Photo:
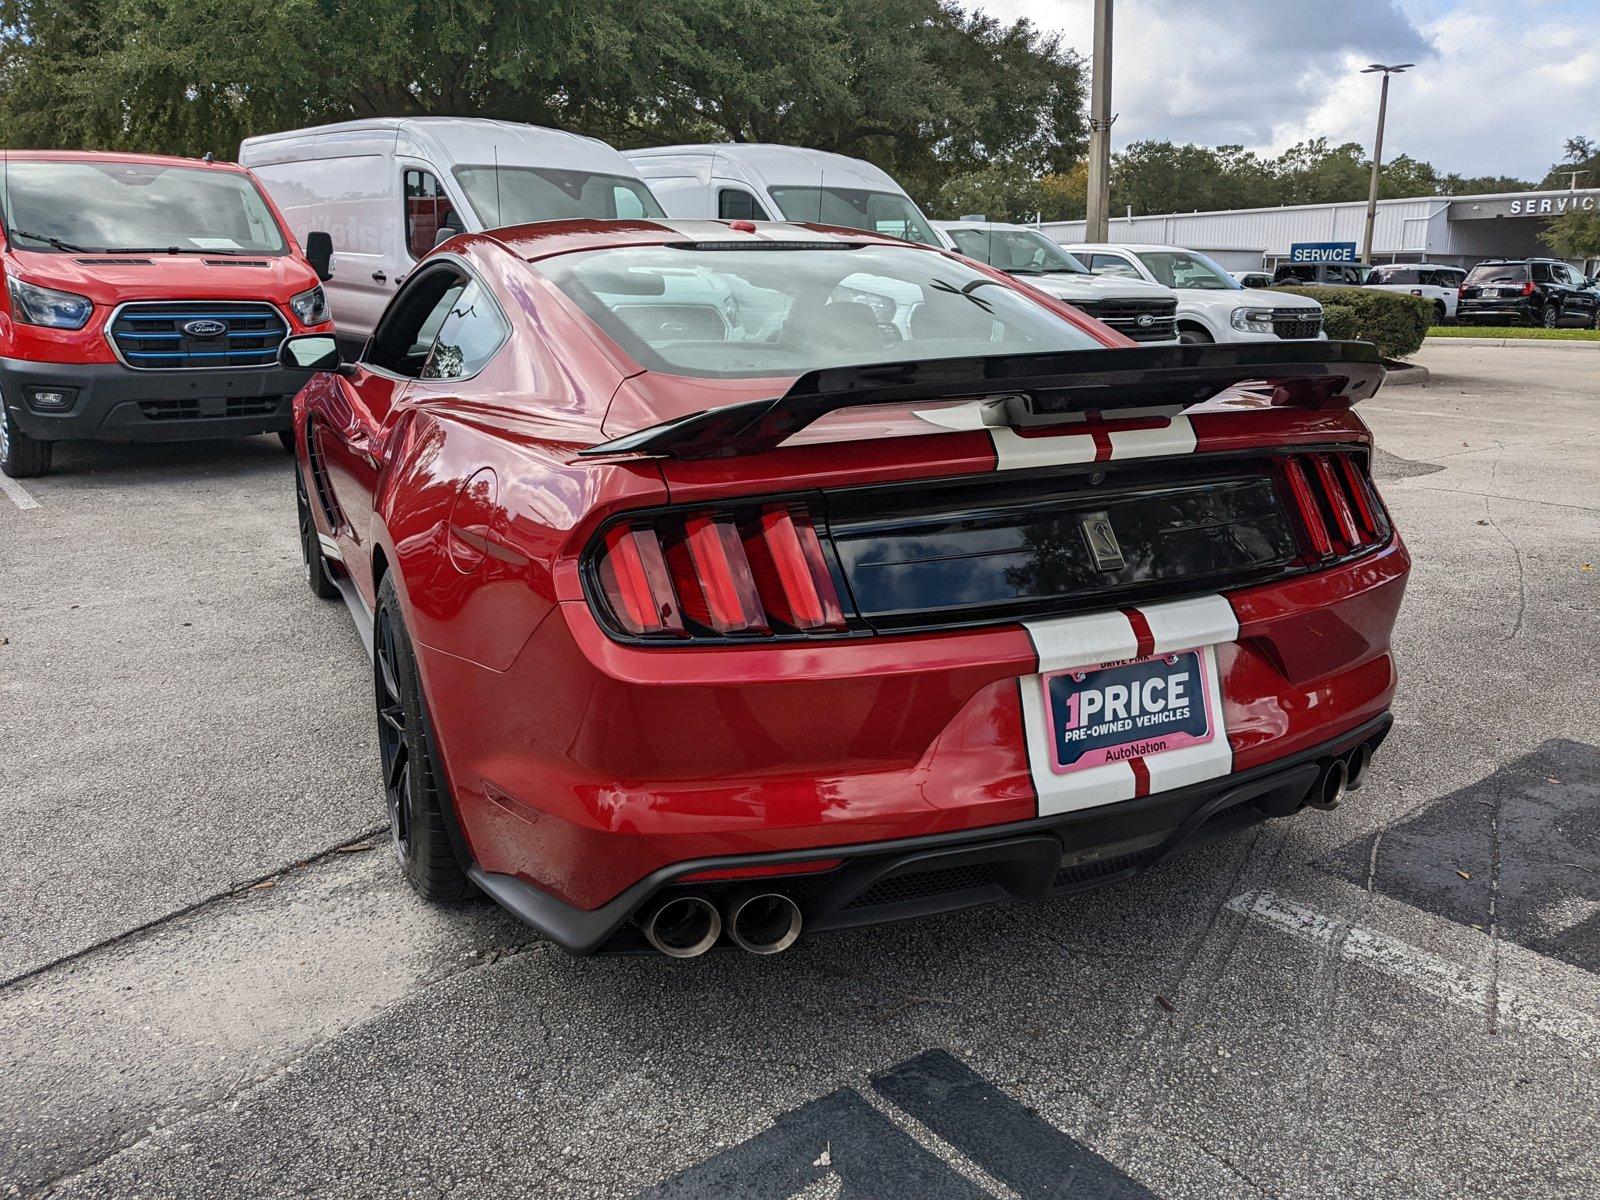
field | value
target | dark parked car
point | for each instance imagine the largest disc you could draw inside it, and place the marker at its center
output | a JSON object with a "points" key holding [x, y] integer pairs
{"points": [[1323, 274], [1528, 291]]}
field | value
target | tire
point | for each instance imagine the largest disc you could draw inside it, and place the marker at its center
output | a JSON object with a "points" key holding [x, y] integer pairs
{"points": [[412, 782], [1441, 314], [1551, 317], [21, 457], [286, 439], [1193, 335], [318, 574], [1594, 319]]}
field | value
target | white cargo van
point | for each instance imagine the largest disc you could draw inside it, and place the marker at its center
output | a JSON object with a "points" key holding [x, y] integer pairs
{"points": [[751, 181], [389, 190]]}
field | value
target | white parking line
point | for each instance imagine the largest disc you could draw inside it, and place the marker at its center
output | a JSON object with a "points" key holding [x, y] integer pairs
{"points": [[1461, 986], [18, 493]]}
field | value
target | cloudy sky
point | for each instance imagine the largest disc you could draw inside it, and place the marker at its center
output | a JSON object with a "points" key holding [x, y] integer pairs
{"points": [[1498, 85]]}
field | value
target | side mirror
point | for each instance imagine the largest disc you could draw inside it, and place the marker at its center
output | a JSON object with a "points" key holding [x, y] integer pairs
{"points": [[309, 352], [319, 253]]}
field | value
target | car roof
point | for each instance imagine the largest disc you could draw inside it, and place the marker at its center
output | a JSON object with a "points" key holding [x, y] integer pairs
{"points": [[117, 156], [784, 166], [450, 141], [544, 239], [984, 226]]}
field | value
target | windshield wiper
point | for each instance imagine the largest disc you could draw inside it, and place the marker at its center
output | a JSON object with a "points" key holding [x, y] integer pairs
{"points": [[68, 247], [169, 250]]}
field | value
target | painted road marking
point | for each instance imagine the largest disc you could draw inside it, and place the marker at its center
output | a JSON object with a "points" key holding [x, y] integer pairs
{"points": [[18, 493], [842, 1145], [1465, 987], [1012, 1143]]}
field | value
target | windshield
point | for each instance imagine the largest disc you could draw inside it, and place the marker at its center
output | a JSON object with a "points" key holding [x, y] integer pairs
{"points": [[1499, 273], [1018, 250], [756, 312], [101, 207], [1187, 269], [888, 213], [518, 195]]}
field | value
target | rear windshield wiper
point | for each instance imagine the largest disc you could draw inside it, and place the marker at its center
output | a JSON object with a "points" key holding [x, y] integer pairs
{"points": [[68, 247]]}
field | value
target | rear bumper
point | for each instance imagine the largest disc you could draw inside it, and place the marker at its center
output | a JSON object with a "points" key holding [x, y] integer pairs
{"points": [[584, 767], [916, 877], [1468, 311], [114, 403]]}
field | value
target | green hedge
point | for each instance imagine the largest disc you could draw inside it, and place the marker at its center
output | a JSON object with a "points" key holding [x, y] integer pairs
{"points": [[1395, 321]]}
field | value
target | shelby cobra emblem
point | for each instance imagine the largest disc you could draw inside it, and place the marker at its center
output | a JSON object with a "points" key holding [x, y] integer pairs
{"points": [[1102, 541], [205, 329]]}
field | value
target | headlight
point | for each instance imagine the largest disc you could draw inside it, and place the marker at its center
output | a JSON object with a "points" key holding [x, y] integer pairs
{"points": [[35, 305], [1252, 320], [311, 307]]}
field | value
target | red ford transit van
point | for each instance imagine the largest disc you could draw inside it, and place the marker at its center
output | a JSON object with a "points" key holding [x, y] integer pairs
{"points": [[144, 299]]}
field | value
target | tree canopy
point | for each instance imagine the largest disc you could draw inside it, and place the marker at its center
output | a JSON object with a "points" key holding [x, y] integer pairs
{"points": [[921, 87]]}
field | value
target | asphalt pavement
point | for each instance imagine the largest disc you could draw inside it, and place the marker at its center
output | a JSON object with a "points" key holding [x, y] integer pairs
{"points": [[213, 982]]}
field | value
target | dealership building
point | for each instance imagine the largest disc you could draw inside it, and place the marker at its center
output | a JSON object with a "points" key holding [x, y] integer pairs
{"points": [[1451, 230]]}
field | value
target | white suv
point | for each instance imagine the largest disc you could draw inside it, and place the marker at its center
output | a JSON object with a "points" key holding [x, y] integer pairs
{"points": [[1212, 307], [1145, 312], [1442, 285]]}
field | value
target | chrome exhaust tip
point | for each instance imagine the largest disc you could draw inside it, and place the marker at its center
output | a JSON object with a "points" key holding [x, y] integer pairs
{"points": [[764, 923], [1356, 769], [1331, 788], [683, 926]]}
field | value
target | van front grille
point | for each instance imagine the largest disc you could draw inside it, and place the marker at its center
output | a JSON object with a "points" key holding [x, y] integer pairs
{"points": [[168, 335]]}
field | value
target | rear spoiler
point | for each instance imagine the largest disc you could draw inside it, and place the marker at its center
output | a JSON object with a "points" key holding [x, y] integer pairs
{"points": [[1034, 389]]}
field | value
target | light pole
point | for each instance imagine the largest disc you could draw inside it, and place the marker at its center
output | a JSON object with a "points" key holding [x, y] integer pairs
{"points": [[1377, 152], [1098, 226]]}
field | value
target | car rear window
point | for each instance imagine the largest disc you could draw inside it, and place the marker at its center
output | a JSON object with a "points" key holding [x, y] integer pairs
{"points": [[1498, 273], [750, 312]]}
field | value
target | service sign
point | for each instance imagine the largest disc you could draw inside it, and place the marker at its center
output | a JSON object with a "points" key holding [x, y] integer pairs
{"points": [[1321, 252], [1535, 204]]}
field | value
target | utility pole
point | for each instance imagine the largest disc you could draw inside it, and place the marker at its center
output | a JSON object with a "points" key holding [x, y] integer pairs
{"points": [[1098, 227], [1377, 152]]}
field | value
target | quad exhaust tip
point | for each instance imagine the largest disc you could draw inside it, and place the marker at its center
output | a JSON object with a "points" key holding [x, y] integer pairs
{"points": [[765, 923], [1356, 770], [683, 927], [1332, 786]]}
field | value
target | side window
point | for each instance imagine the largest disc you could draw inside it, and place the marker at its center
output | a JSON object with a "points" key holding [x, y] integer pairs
{"points": [[472, 331], [428, 210], [736, 204], [1112, 264], [1560, 273], [627, 204], [1541, 273], [406, 331]]}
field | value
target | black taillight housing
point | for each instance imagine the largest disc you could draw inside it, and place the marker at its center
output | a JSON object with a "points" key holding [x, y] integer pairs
{"points": [[736, 572], [1338, 507]]}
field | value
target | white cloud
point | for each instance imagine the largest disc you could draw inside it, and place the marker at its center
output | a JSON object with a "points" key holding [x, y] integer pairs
{"points": [[1497, 87]]}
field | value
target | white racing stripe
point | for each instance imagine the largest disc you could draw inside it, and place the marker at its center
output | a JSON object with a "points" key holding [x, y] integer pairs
{"points": [[1177, 438], [18, 494], [1439, 977], [1013, 452]]}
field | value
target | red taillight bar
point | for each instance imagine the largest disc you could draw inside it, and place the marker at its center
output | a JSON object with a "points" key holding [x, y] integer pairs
{"points": [[633, 575], [1342, 517], [803, 577], [1310, 515], [733, 605], [1358, 493]]}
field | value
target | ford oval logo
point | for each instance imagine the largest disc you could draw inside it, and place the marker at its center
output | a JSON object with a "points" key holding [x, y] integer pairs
{"points": [[1145, 321], [205, 329]]}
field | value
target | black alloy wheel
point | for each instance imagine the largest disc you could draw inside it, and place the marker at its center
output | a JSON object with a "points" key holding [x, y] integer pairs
{"points": [[1551, 317], [318, 576], [412, 782]]}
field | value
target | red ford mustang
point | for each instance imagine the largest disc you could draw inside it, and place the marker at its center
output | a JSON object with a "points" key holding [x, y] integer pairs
{"points": [[726, 581]]}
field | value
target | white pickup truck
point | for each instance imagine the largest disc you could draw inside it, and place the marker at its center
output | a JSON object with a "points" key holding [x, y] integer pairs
{"points": [[1442, 285], [1212, 307]]}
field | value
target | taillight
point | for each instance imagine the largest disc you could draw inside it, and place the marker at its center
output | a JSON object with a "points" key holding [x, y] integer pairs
{"points": [[754, 571], [1337, 505], [1527, 288]]}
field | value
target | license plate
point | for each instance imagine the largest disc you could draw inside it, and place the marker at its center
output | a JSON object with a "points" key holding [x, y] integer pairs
{"points": [[1127, 710]]}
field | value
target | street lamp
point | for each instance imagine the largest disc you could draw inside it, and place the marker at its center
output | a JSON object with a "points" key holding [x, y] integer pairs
{"points": [[1377, 152]]}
